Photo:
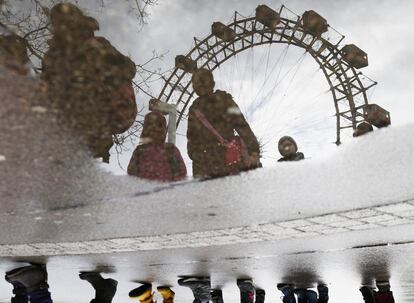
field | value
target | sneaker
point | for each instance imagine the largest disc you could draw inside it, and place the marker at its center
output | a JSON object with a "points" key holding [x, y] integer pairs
{"points": [[166, 293], [142, 293]]}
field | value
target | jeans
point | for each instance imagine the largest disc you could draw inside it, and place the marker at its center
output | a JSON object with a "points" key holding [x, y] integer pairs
{"points": [[40, 296], [306, 296], [20, 299], [288, 296], [260, 296]]}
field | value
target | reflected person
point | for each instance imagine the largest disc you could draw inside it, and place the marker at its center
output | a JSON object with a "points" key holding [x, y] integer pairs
{"points": [[289, 150], [213, 119], [154, 159], [89, 80]]}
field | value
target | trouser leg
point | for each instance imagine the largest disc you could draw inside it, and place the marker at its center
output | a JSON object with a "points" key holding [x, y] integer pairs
{"points": [[40, 296]]}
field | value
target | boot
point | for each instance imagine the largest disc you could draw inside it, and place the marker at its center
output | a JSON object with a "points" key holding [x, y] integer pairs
{"points": [[19, 291], [166, 293], [201, 288], [143, 294], [32, 277], [246, 290], [217, 296], [105, 289], [367, 294], [323, 293]]}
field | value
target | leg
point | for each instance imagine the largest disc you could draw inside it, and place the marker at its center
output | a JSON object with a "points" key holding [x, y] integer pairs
{"points": [[287, 291], [311, 296], [301, 293], [367, 294], [40, 296], [384, 293], [323, 293], [246, 290], [217, 296], [200, 287], [260, 296]]}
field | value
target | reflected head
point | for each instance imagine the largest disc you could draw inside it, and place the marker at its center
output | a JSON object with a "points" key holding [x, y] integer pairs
{"points": [[66, 17], [287, 146], [154, 129], [13, 53], [203, 82]]}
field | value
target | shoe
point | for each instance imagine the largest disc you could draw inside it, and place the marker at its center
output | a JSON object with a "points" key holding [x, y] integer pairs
{"points": [[18, 288], [32, 277], [200, 287], [367, 294], [383, 286], [142, 293], [105, 289], [166, 293]]}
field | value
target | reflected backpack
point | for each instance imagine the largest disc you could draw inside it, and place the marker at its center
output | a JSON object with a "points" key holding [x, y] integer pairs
{"points": [[236, 150]]}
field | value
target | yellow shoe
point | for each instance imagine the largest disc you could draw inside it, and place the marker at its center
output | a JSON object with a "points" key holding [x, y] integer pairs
{"points": [[166, 293], [142, 293]]}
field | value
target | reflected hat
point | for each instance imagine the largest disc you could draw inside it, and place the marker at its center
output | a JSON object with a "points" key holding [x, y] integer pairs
{"points": [[70, 13], [283, 139]]}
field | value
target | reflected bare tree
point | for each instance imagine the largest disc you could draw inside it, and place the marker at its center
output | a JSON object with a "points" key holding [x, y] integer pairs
{"points": [[29, 19]]}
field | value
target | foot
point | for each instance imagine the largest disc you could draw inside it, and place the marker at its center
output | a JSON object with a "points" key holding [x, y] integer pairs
{"points": [[32, 277], [166, 293], [142, 293], [105, 289], [201, 287], [18, 288]]}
